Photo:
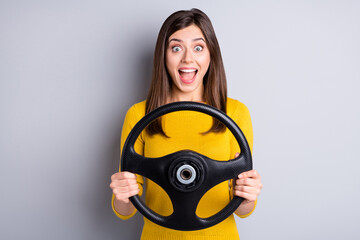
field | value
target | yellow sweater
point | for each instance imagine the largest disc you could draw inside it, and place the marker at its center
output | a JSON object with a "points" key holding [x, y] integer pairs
{"points": [[184, 129]]}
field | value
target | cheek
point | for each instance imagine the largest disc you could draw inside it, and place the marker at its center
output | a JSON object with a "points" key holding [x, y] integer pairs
{"points": [[171, 69], [170, 63], [204, 61], [205, 66]]}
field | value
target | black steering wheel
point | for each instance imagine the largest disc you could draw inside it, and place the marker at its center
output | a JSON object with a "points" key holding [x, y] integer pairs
{"points": [[185, 175]]}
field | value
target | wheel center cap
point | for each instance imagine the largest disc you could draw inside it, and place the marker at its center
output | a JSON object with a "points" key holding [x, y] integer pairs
{"points": [[186, 172]]}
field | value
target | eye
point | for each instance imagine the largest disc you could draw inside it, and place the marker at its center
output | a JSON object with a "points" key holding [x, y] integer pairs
{"points": [[176, 49], [198, 48]]}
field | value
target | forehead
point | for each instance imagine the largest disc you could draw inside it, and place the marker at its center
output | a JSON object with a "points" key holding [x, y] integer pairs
{"points": [[189, 33]]}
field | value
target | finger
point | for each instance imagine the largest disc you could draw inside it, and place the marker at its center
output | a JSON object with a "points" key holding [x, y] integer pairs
{"points": [[117, 176], [124, 197], [134, 192], [126, 192], [130, 175], [123, 175], [122, 183], [251, 190], [125, 189], [246, 189], [237, 154], [125, 182], [246, 182], [245, 195], [249, 174]]}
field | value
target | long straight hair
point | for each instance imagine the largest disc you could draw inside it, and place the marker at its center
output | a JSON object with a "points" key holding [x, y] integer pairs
{"points": [[215, 89]]}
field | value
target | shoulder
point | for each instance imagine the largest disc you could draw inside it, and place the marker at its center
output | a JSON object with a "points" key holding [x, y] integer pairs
{"points": [[136, 112], [138, 108], [235, 107]]}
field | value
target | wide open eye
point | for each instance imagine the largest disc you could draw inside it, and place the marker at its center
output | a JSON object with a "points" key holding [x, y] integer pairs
{"points": [[176, 49], [198, 48]]}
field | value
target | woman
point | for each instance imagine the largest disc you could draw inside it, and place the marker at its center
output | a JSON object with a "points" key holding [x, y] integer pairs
{"points": [[187, 67]]}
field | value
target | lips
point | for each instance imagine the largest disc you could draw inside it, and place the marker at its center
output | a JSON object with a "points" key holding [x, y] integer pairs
{"points": [[187, 75]]}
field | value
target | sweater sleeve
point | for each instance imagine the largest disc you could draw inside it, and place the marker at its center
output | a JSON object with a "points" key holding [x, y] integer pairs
{"points": [[241, 115], [133, 115]]}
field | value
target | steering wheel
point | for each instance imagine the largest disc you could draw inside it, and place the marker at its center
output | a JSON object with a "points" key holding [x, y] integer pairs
{"points": [[185, 175]]}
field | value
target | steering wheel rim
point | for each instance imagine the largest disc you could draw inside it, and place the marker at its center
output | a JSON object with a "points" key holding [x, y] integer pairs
{"points": [[185, 220]]}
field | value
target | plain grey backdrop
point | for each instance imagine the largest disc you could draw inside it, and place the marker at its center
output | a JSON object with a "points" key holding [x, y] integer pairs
{"points": [[69, 70]]}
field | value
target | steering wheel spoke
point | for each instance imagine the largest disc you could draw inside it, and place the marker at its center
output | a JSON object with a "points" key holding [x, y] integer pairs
{"points": [[219, 171], [185, 204], [184, 216], [154, 169]]}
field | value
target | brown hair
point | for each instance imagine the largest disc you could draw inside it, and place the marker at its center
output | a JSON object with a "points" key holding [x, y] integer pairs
{"points": [[215, 90]]}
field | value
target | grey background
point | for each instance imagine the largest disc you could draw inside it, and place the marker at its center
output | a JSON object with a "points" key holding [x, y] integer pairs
{"points": [[69, 70]]}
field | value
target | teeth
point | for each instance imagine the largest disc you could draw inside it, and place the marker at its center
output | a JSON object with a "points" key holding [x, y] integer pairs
{"points": [[187, 70]]}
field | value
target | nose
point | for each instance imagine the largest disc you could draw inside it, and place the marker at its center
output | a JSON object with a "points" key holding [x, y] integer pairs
{"points": [[187, 56]]}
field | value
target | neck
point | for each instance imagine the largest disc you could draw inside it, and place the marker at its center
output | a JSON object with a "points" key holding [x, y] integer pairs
{"points": [[184, 98], [177, 96]]}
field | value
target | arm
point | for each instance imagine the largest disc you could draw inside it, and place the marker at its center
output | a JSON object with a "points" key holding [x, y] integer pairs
{"points": [[126, 184], [248, 184], [123, 185]]}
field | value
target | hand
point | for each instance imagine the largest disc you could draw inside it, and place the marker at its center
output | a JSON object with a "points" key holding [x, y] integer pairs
{"points": [[124, 185], [248, 185]]}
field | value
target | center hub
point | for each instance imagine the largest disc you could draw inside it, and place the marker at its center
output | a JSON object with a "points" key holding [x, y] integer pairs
{"points": [[186, 172]]}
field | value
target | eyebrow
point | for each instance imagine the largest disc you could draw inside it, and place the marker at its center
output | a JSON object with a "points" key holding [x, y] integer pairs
{"points": [[194, 40]]}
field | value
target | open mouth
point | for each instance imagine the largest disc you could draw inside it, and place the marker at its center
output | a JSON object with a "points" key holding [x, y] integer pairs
{"points": [[187, 75]]}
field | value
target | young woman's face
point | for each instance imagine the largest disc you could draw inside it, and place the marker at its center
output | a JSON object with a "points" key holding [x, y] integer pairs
{"points": [[187, 61]]}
